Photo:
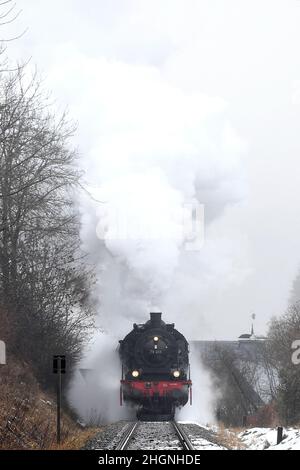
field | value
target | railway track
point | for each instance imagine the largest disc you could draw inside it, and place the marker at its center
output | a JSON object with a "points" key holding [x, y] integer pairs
{"points": [[127, 435], [155, 435], [183, 437], [170, 435]]}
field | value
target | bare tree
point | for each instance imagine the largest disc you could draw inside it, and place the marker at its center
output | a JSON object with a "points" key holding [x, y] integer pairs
{"points": [[283, 331], [8, 14], [42, 276]]}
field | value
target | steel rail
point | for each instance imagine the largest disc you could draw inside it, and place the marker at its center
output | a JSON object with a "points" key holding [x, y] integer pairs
{"points": [[126, 437], [183, 437]]}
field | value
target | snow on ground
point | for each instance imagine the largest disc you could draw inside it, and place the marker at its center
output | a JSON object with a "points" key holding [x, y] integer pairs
{"points": [[266, 439], [250, 439], [202, 437], [203, 444]]}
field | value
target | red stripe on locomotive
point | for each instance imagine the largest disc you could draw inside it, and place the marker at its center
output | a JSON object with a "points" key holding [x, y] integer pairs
{"points": [[158, 389]]}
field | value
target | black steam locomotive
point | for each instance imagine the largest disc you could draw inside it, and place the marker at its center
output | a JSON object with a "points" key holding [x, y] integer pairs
{"points": [[155, 369]]}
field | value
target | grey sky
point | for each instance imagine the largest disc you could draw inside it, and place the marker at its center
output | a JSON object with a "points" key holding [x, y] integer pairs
{"points": [[246, 53]]}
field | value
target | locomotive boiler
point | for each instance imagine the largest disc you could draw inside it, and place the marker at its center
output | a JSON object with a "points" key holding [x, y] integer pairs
{"points": [[155, 369]]}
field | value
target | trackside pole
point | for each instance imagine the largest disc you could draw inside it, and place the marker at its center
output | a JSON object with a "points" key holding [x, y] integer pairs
{"points": [[58, 399], [279, 434], [59, 367]]}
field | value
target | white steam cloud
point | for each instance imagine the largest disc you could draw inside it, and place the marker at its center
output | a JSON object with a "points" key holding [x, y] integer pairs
{"points": [[151, 149], [131, 119], [95, 392]]}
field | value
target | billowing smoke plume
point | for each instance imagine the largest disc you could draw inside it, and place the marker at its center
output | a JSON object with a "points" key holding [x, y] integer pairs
{"points": [[156, 149], [95, 392], [153, 151], [203, 394]]}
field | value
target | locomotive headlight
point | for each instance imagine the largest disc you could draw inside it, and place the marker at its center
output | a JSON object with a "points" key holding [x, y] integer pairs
{"points": [[135, 373], [176, 374], [155, 338]]}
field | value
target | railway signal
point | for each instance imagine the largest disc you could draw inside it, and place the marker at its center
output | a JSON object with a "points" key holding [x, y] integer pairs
{"points": [[59, 367], [59, 364]]}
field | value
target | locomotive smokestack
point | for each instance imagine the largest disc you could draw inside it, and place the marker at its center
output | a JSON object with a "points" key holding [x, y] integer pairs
{"points": [[155, 318]]}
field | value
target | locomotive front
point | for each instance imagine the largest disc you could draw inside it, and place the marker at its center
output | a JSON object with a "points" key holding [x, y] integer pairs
{"points": [[155, 369]]}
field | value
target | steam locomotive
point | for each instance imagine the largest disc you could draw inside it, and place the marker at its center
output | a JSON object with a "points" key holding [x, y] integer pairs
{"points": [[155, 369]]}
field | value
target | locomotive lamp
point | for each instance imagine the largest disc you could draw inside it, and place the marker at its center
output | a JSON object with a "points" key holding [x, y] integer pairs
{"points": [[155, 338], [135, 373], [176, 374]]}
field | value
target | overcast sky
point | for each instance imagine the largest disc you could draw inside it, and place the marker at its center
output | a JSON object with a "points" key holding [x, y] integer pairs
{"points": [[244, 53]]}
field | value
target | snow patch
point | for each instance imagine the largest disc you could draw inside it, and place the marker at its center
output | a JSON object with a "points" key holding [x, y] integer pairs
{"points": [[266, 439]]}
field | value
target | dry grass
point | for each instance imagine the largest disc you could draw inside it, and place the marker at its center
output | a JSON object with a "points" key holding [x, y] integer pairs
{"points": [[28, 415], [77, 440], [229, 437]]}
